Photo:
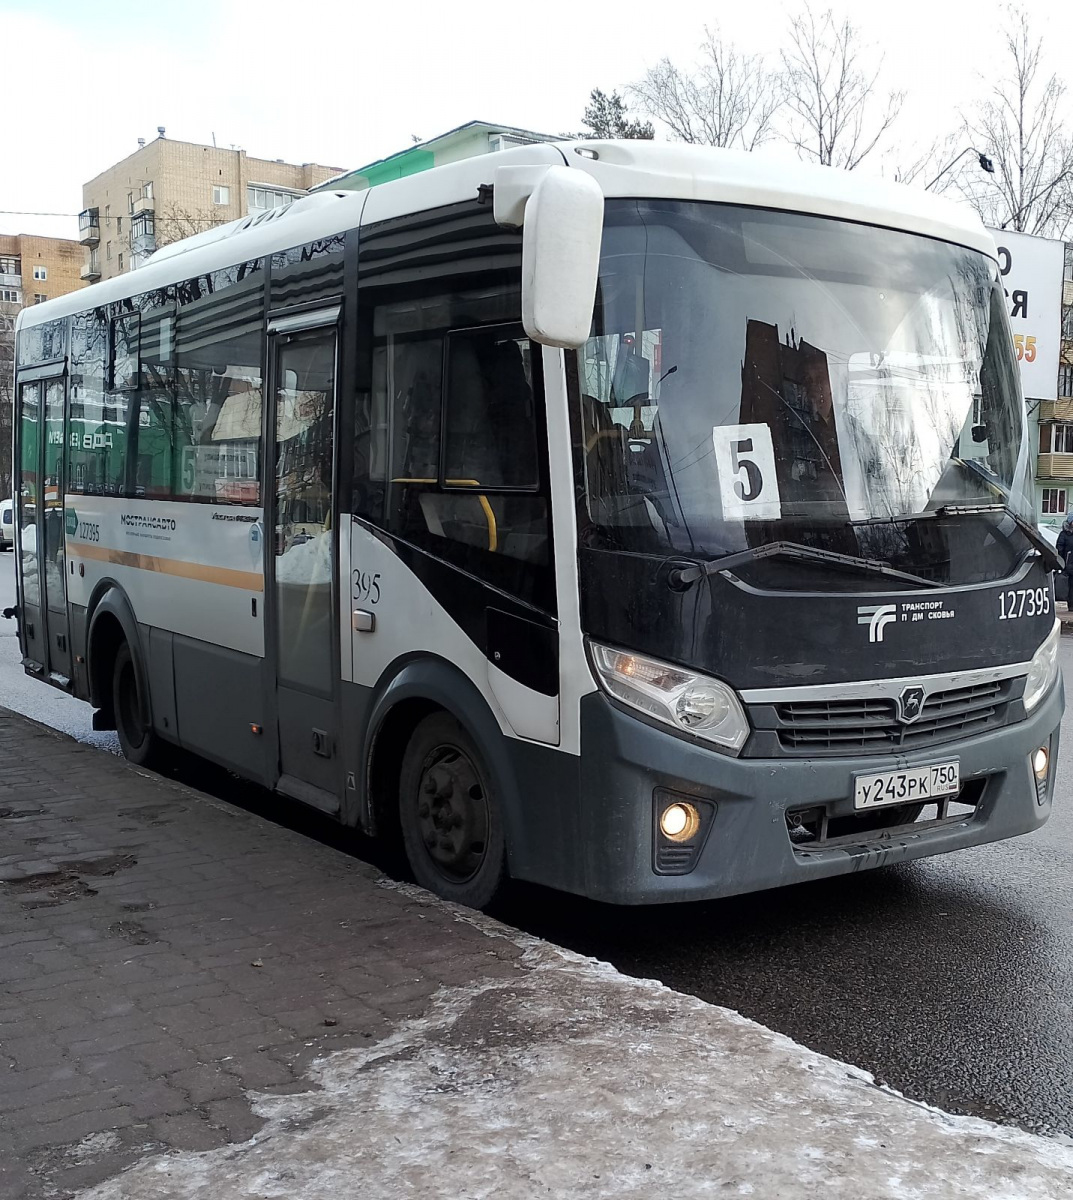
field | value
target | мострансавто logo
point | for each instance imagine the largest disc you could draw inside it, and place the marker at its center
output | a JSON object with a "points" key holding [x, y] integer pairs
{"points": [[141, 521]]}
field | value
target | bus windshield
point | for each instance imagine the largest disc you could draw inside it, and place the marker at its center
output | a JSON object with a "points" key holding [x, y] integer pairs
{"points": [[756, 375]]}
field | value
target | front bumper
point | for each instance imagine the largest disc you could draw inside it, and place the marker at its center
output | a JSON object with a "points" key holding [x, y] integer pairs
{"points": [[748, 847]]}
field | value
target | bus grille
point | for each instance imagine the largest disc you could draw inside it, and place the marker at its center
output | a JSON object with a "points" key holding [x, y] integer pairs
{"points": [[867, 725]]}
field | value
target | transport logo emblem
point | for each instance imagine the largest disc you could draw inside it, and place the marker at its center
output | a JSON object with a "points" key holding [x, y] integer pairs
{"points": [[910, 704], [877, 617]]}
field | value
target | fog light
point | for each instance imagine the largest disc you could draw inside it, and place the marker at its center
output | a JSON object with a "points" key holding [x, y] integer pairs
{"points": [[679, 822], [1040, 762]]}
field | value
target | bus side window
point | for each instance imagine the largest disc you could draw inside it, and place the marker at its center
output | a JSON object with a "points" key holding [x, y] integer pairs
{"points": [[478, 495], [152, 470], [218, 388], [87, 434]]}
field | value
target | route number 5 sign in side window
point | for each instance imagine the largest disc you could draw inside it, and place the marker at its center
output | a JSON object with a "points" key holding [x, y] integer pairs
{"points": [[745, 460]]}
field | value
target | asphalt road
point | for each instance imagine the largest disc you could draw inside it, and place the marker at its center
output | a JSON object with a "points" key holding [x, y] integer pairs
{"points": [[950, 979]]}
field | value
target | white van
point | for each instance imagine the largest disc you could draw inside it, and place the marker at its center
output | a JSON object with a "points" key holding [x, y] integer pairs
{"points": [[7, 524]]}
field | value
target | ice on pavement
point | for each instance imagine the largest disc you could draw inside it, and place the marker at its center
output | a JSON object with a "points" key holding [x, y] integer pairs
{"points": [[574, 1080]]}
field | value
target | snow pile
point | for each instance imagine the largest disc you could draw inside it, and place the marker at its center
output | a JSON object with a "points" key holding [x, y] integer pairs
{"points": [[307, 562], [573, 1080]]}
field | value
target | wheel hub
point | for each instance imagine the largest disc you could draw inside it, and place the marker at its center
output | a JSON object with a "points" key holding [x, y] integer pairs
{"points": [[452, 814]]}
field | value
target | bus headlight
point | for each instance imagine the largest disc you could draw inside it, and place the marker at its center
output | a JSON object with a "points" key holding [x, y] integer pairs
{"points": [[1043, 670], [695, 704]]}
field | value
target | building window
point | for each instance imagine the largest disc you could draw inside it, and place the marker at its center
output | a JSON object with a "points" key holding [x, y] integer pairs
{"points": [[9, 296], [1056, 439], [120, 260], [221, 194], [119, 224], [39, 298], [147, 189], [10, 265], [41, 273], [1069, 263], [1053, 502], [261, 199], [108, 251], [1065, 381]]}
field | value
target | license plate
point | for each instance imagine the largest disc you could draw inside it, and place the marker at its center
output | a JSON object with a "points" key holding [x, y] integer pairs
{"points": [[879, 788]]}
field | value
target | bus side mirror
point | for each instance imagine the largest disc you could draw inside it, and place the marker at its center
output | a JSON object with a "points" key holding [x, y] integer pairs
{"points": [[561, 235]]}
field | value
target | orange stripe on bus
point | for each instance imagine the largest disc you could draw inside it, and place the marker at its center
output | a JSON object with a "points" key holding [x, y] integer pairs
{"points": [[248, 581]]}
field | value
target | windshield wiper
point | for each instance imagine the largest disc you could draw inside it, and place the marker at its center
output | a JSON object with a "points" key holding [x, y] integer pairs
{"points": [[682, 577], [1046, 551]]}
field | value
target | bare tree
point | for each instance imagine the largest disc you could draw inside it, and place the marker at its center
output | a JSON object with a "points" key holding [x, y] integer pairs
{"points": [[931, 167], [175, 222], [730, 99], [835, 115], [1022, 126]]}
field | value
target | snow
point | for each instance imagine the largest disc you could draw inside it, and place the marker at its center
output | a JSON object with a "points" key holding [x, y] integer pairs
{"points": [[570, 1079], [307, 562]]}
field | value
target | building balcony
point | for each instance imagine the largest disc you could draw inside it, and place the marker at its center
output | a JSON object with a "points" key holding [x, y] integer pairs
{"points": [[1054, 466], [91, 271], [10, 281], [143, 204], [1056, 410], [89, 227]]}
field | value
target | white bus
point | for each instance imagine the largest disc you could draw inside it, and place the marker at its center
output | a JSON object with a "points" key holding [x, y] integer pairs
{"points": [[647, 521]]}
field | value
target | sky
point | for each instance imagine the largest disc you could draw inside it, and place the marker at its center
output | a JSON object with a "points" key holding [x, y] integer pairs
{"points": [[343, 83]]}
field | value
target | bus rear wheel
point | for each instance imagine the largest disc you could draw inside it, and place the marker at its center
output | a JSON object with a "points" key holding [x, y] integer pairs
{"points": [[139, 743], [452, 828]]}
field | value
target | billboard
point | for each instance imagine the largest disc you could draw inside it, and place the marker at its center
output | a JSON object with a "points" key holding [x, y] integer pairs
{"points": [[1032, 277]]}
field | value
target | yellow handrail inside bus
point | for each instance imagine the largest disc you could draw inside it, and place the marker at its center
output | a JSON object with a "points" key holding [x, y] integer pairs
{"points": [[489, 515]]}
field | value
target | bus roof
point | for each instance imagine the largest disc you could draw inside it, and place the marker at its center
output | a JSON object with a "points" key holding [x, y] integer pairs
{"points": [[627, 169]]}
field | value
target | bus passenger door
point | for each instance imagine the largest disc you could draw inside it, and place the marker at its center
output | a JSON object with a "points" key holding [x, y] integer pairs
{"points": [[42, 560], [304, 584]]}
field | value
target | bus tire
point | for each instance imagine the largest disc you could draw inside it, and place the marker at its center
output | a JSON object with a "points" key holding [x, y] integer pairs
{"points": [[133, 723], [452, 826]]}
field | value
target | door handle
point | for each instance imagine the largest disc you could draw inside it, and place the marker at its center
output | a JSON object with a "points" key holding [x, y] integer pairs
{"points": [[362, 621]]}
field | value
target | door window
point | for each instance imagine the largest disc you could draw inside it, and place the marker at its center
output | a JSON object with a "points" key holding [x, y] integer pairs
{"points": [[29, 446], [305, 402], [52, 495]]}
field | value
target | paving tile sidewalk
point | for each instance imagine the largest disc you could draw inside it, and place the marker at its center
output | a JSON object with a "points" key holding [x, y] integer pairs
{"points": [[243, 1013], [161, 954]]}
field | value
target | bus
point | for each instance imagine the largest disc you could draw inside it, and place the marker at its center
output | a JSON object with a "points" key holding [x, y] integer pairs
{"points": [[650, 522]]}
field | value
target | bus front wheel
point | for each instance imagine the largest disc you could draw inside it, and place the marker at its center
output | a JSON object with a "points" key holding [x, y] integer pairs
{"points": [[139, 743], [452, 827]]}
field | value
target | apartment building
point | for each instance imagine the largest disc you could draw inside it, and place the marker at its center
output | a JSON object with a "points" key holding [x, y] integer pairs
{"points": [[167, 190], [35, 269], [1054, 464]]}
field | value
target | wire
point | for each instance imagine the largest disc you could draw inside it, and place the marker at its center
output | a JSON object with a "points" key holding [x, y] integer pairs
{"points": [[21, 212]]}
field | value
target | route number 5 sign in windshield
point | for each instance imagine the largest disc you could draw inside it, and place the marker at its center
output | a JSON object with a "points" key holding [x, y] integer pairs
{"points": [[745, 460]]}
